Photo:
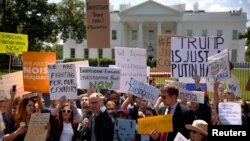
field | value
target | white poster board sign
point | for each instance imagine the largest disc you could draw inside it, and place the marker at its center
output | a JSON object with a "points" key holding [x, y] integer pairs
{"points": [[180, 137], [230, 113], [218, 66], [192, 96], [233, 85], [132, 62], [124, 129], [62, 81], [189, 54], [100, 78], [140, 89]]}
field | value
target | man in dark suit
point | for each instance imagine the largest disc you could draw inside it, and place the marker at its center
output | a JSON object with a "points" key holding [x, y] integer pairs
{"points": [[182, 115], [99, 127]]}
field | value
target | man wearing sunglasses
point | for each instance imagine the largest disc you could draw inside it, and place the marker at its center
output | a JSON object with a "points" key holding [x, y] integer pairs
{"points": [[182, 115]]}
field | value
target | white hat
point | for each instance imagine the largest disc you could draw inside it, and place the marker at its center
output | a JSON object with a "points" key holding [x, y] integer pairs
{"points": [[198, 126]]}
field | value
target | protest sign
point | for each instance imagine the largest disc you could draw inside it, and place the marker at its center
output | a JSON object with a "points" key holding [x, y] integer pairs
{"points": [[38, 127], [140, 89], [233, 85], [15, 78], [35, 70], [13, 43], [162, 123], [192, 96], [189, 54], [180, 137], [132, 62], [100, 78], [124, 130], [79, 64], [218, 66], [230, 113], [98, 23], [62, 80]]}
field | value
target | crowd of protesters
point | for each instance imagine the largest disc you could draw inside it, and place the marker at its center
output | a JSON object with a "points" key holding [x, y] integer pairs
{"points": [[93, 119]]}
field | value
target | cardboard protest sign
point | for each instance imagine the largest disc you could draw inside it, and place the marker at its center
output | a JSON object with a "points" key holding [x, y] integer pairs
{"points": [[124, 130], [132, 62], [99, 78], [233, 85], [189, 54], [79, 64], [140, 89], [38, 127], [13, 43], [98, 23], [230, 113], [15, 78], [62, 80], [192, 96], [35, 70], [180, 137], [218, 66], [162, 123]]}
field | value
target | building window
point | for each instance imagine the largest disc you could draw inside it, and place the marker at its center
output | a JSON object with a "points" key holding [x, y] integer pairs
{"points": [[189, 33], [113, 53], [86, 53], [114, 35], [151, 34], [134, 34], [72, 53], [204, 33], [219, 33], [168, 31], [234, 55], [100, 53], [235, 35]]}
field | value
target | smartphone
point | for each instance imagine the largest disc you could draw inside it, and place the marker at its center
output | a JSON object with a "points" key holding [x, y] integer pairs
{"points": [[14, 88]]}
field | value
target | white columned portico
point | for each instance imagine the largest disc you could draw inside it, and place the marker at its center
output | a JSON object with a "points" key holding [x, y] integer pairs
{"points": [[121, 39], [140, 35], [159, 28], [178, 28]]}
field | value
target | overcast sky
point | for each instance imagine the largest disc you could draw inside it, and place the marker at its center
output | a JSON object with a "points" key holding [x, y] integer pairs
{"points": [[207, 5]]}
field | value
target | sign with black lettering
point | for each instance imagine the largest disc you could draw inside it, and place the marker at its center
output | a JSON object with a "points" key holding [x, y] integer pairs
{"points": [[62, 81], [190, 54], [218, 66], [192, 96], [140, 89], [230, 113], [132, 62], [100, 78], [98, 23]]}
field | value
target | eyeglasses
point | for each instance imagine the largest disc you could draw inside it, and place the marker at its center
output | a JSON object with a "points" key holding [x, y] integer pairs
{"points": [[163, 97], [110, 108], [66, 111]]}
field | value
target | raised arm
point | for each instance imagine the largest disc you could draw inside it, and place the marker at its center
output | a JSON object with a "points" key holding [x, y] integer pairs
{"points": [[9, 113]]}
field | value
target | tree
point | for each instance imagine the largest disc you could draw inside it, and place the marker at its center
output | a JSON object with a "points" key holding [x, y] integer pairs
{"points": [[71, 20], [36, 18], [246, 36]]}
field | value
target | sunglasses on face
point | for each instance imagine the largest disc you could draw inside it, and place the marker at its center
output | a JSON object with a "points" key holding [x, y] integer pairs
{"points": [[163, 97], [66, 111], [110, 108]]}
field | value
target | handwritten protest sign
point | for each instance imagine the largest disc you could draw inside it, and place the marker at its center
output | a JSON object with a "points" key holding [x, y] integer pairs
{"points": [[38, 127], [140, 89], [180, 137], [15, 78], [132, 62], [13, 43], [35, 70], [233, 85], [62, 80], [230, 113], [98, 23], [99, 78], [189, 54], [218, 66], [124, 130], [193, 96], [162, 123], [79, 64]]}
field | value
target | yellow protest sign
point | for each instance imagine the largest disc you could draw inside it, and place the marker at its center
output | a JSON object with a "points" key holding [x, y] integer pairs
{"points": [[13, 43], [162, 123]]}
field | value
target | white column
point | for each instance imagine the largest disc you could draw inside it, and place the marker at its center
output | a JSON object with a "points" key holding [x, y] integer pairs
{"points": [[121, 32], [159, 28], [140, 35], [178, 28]]}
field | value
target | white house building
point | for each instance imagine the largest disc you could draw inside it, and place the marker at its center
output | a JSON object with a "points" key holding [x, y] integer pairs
{"points": [[139, 25]]}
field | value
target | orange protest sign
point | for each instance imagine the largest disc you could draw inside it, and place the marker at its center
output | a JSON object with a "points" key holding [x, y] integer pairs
{"points": [[35, 70], [162, 123]]}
